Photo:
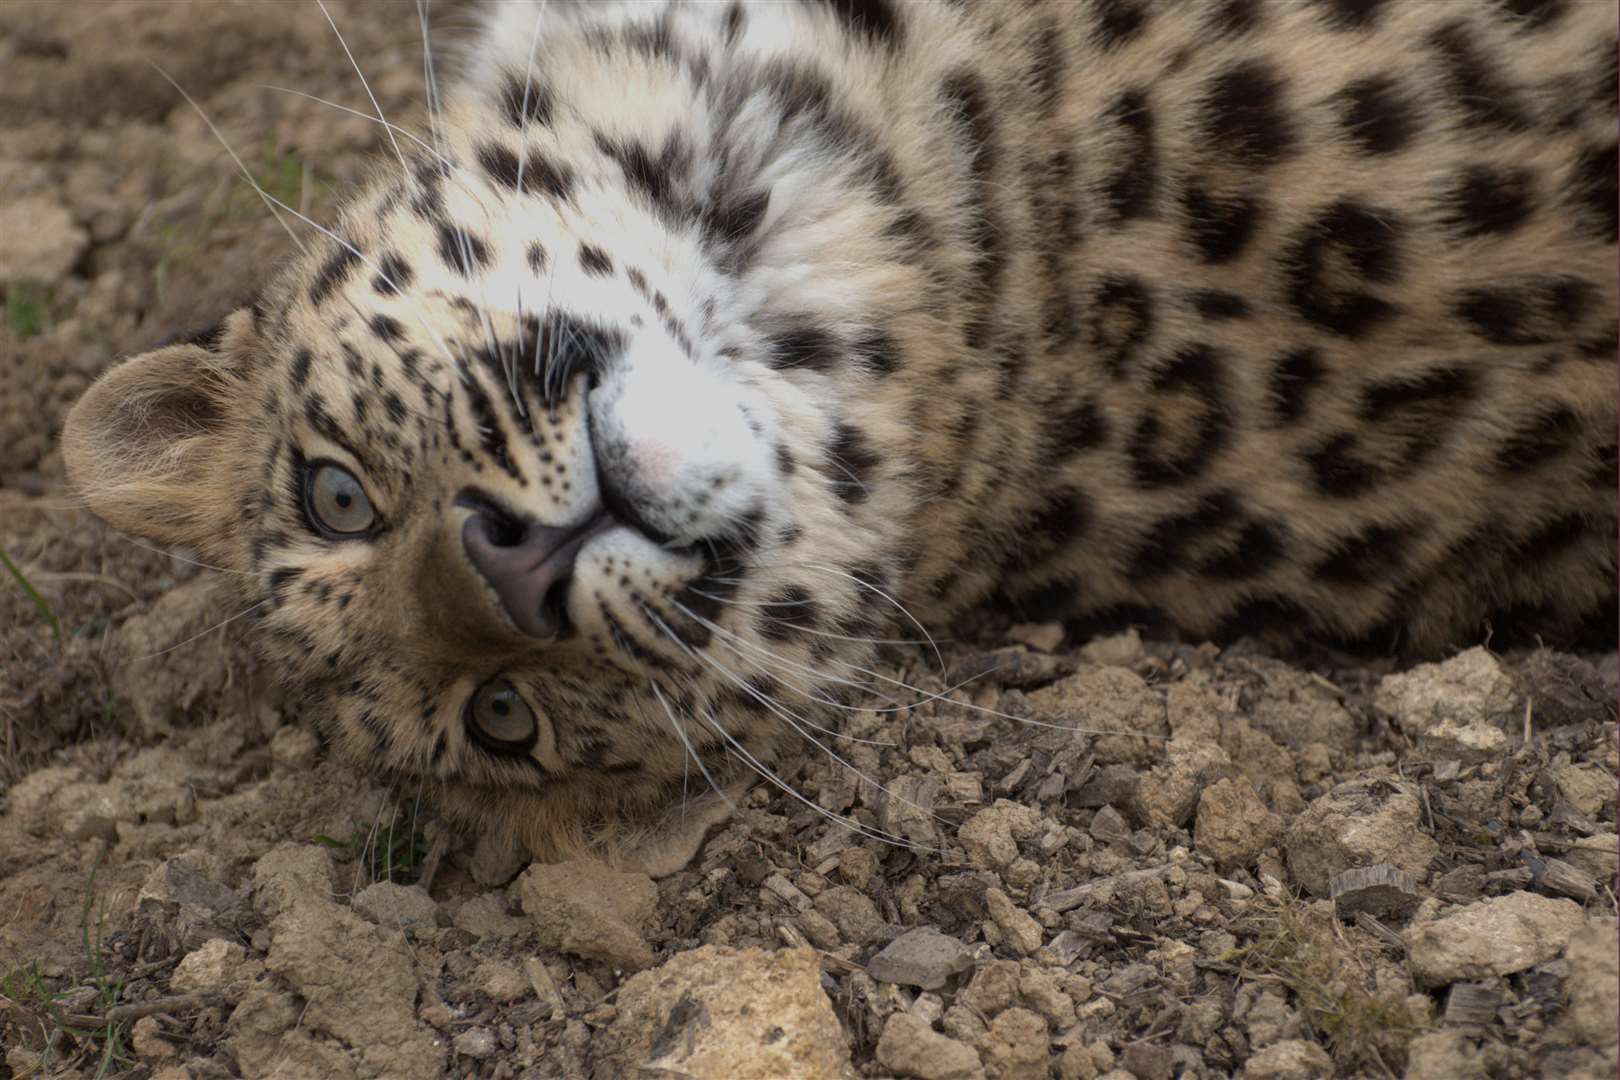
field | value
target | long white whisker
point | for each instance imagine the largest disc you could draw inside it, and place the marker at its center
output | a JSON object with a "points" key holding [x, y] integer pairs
{"points": [[204, 633], [418, 140], [792, 719], [406, 169]]}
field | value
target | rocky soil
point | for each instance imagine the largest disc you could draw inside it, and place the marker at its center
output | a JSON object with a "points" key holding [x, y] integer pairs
{"points": [[1244, 866]]}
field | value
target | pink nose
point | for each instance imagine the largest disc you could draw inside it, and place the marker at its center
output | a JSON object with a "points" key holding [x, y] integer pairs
{"points": [[527, 564]]}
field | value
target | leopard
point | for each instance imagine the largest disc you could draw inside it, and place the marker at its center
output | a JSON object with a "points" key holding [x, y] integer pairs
{"points": [[580, 469]]}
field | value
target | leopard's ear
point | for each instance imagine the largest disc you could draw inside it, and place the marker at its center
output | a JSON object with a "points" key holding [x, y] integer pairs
{"points": [[149, 446]]}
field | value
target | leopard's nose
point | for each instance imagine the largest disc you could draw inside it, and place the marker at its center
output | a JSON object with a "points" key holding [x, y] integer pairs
{"points": [[527, 564]]}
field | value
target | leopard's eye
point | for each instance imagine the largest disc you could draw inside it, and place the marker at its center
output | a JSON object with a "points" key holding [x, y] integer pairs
{"points": [[499, 720], [336, 501]]}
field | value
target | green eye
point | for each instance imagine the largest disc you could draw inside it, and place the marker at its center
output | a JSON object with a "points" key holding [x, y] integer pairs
{"points": [[336, 502], [499, 720]]}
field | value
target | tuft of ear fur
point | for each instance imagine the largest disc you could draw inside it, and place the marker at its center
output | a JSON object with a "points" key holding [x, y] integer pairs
{"points": [[148, 447]]}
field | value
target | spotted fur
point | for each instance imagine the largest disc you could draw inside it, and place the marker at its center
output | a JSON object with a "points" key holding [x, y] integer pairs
{"points": [[1281, 316]]}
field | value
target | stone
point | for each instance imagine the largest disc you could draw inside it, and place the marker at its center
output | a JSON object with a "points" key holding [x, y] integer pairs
{"points": [[146, 1039], [211, 967], [399, 906], [1496, 936], [909, 1047], [1598, 855], [993, 988], [485, 916], [923, 957], [1019, 929], [1112, 708], [1039, 989], [359, 988], [476, 1042], [1587, 787], [1017, 1047], [1443, 1055], [991, 836], [1233, 825], [503, 981], [1359, 823], [1171, 793], [1113, 650], [716, 1013], [587, 908], [1291, 1059], [1593, 986], [1451, 708], [290, 873], [853, 912]]}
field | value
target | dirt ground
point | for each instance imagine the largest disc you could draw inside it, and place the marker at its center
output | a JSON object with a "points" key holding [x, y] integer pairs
{"points": [[1269, 869]]}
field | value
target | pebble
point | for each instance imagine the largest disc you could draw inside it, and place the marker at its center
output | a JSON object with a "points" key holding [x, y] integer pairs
{"points": [[923, 957], [588, 909], [910, 1047], [1497, 936], [1019, 929]]}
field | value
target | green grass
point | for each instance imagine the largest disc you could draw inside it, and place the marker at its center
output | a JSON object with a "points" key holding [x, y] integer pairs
{"points": [[28, 309], [65, 1042], [394, 850], [32, 593]]}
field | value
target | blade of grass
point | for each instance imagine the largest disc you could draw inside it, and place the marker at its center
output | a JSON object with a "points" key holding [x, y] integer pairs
{"points": [[32, 594]]}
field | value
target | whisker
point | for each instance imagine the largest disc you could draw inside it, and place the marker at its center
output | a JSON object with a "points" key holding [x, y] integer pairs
{"points": [[389, 128], [204, 633], [791, 718]]}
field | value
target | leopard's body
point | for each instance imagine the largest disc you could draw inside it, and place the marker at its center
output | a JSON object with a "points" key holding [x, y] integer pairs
{"points": [[1292, 316]]}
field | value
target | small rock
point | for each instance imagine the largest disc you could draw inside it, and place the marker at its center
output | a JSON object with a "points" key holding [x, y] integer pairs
{"points": [[1114, 650], [146, 1037], [1104, 700], [478, 1042], [589, 909], [923, 957], [1109, 826], [910, 1047], [993, 987], [1291, 1059], [485, 916], [1021, 932], [853, 912], [726, 1014], [1450, 708], [398, 906], [1233, 825], [1040, 990], [1016, 1046], [1359, 823], [1170, 795], [1598, 855], [1045, 637], [1498, 936], [1443, 1055], [210, 967], [1588, 788], [177, 881], [991, 836], [1594, 991], [1147, 1061], [290, 873], [502, 981]]}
